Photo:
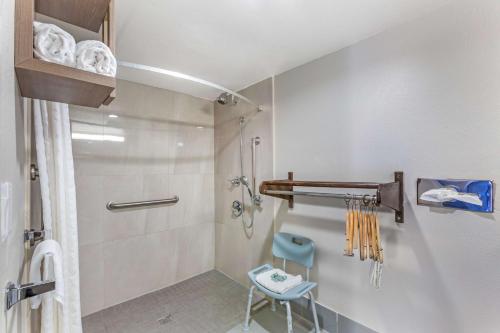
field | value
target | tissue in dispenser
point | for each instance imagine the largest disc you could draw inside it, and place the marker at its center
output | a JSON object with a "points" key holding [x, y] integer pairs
{"points": [[482, 189]]}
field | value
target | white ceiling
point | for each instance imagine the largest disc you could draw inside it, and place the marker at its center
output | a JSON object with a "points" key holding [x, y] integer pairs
{"points": [[235, 43]]}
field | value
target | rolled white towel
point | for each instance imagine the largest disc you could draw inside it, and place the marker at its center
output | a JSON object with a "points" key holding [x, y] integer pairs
{"points": [[95, 56], [53, 44], [48, 250]]}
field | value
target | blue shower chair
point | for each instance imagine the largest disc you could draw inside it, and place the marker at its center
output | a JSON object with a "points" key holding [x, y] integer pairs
{"points": [[294, 248]]}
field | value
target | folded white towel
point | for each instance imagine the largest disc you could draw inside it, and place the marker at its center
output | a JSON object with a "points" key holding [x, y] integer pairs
{"points": [[53, 44], [48, 250], [278, 281], [95, 56]]}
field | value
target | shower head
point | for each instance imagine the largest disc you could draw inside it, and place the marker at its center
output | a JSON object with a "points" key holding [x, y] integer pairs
{"points": [[244, 180], [222, 99], [226, 98]]}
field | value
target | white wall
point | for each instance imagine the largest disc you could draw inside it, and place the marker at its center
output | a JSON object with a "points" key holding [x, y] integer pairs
{"points": [[12, 163], [423, 98], [167, 150]]}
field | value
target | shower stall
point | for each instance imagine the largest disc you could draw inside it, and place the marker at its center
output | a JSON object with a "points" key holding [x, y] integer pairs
{"points": [[168, 204]]}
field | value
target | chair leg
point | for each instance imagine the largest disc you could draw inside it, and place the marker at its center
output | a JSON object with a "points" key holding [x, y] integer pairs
{"points": [[289, 317], [249, 307], [315, 314], [273, 305]]}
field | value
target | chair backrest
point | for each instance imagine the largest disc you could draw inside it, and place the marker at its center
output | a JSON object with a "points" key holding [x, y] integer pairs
{"points": [[294, 248]]}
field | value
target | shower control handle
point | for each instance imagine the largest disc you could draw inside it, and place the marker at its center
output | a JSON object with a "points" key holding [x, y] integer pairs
{"points": [[237, 208], [235, 181], [257, 200]]}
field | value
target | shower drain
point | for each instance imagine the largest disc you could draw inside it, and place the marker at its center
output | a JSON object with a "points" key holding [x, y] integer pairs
{"points": [[166, 319]]}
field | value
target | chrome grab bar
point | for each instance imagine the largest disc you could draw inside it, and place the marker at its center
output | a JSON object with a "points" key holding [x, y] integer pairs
{"points": [[149, 203], [16, 293]]}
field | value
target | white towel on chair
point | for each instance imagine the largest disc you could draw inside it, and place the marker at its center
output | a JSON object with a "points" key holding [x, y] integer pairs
{"points": [[53, 44], [48, 250], [95, 56], [279, 287]]}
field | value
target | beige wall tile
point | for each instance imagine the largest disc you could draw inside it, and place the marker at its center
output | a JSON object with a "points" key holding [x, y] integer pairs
{"points": [[192, 150], [156, 187], [91, 278], [134, 266], [120, 224], [194, 250], [233, 251], [90, 208], [193, 110], [196, 200]]}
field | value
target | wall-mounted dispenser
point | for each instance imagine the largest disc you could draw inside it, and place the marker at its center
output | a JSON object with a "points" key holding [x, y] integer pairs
{"points": [[473, 195]]}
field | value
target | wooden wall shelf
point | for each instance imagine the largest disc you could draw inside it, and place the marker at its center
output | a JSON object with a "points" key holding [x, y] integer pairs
{"points": [[390, 195], [54, 82], [88, 14]]}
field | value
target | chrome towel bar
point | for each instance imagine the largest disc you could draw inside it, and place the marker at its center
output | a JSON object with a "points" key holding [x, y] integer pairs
{"points": [[325, 195], [138, 204], [15, 293]]}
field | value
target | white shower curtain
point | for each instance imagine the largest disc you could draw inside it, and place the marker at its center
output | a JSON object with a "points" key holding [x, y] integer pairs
{"points": [[57, 183]]}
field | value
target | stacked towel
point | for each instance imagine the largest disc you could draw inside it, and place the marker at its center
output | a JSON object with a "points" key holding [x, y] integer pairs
{"points": [[53, 44], [278, 281], [48, 250], [95, 56]]}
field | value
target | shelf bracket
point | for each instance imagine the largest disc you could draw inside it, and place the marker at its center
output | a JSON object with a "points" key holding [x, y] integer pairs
{"points": [[392, 195]]}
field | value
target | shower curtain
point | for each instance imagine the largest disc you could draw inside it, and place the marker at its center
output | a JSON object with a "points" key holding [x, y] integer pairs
{"points": [[57, 183]]}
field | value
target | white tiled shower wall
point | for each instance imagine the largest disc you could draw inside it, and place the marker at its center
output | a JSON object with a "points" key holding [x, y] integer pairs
{"points": [[166, 149]]}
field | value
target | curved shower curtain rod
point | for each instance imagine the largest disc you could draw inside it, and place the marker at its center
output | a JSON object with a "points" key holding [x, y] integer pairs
{"points": [[182, 76]]}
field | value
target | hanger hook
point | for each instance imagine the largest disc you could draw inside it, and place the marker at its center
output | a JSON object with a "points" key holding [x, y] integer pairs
{"points": [[347, 200], [374, 205], [366, 199]]}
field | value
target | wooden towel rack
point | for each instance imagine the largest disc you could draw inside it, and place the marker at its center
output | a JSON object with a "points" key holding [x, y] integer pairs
{"points": [[387, 194]]}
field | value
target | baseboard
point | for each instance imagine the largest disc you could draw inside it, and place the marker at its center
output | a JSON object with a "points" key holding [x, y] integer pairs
{"points": [[329, 320]]}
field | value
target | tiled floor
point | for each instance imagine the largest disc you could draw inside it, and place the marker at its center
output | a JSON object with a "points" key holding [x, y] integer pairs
{"points": [[210, 302]]}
